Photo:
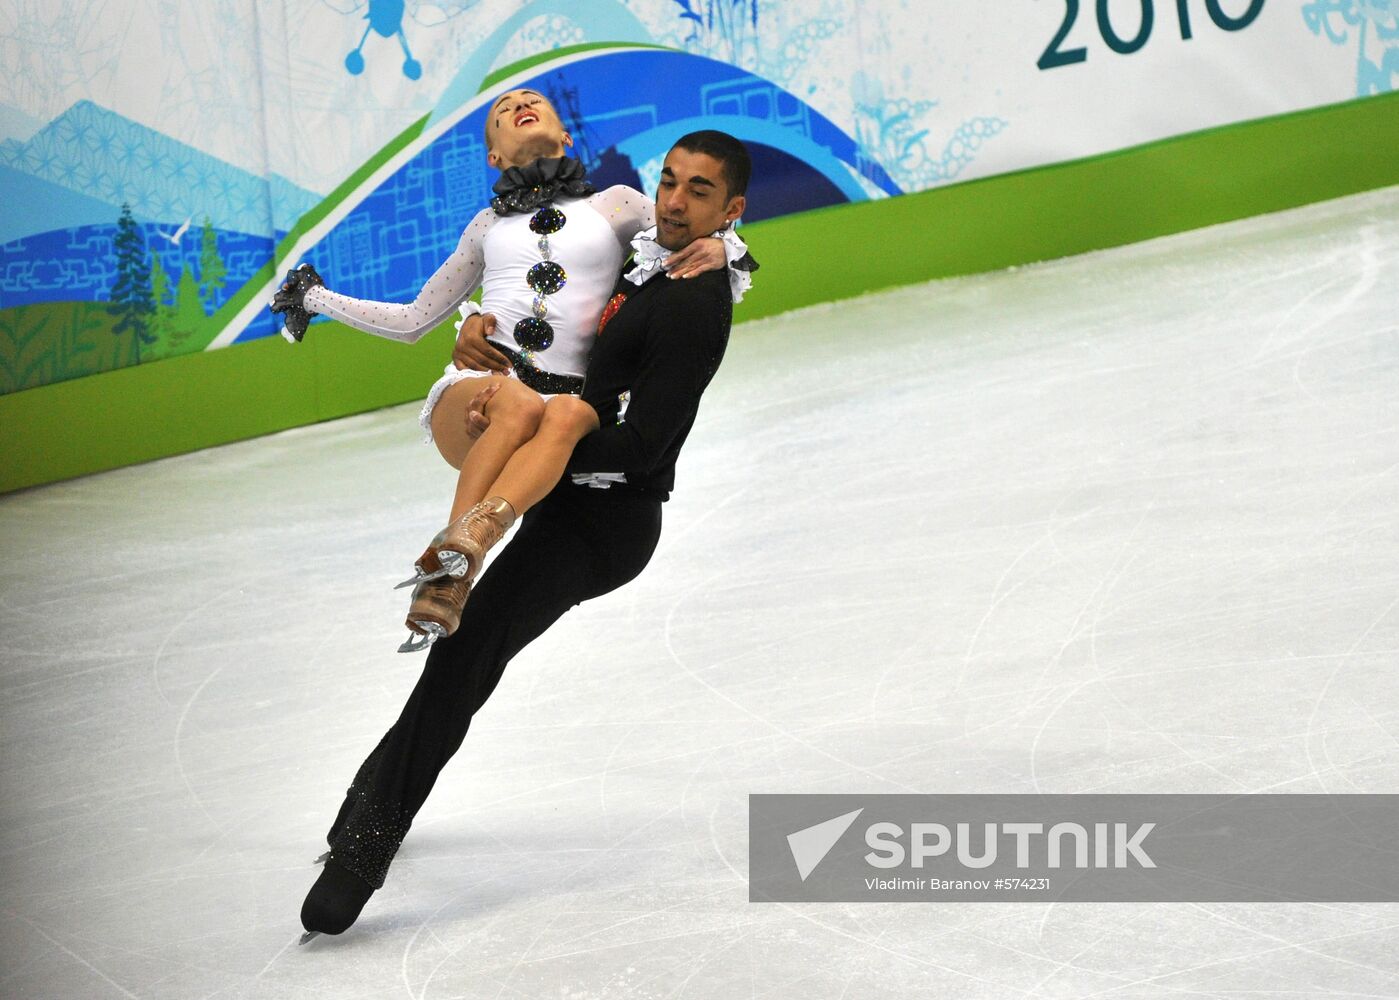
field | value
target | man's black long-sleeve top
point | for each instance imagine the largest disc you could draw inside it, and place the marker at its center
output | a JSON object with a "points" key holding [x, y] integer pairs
{"points": [[654, 356]]}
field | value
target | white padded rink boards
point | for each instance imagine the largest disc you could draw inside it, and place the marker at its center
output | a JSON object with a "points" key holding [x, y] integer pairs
{"points": [[1126, 522]]}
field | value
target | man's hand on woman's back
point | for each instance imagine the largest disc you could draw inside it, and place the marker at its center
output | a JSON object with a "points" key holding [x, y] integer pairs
{"points": [[473, 351]]}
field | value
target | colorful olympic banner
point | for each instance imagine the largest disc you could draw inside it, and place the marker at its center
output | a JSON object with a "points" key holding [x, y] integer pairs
{"points": [[162, 163]]}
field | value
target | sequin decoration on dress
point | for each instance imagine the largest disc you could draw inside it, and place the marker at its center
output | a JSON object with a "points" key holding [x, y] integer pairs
{"points": [[534, 333]]}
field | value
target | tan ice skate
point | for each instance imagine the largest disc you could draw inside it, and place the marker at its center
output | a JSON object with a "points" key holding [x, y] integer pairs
{"points": [[458, 550], [435, 612]]}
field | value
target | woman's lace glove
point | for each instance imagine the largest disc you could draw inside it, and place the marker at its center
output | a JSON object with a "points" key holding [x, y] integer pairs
{"points": [[290, 301]]}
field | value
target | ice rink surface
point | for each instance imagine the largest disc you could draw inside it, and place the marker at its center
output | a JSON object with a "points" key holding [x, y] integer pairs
{"points": [[1127, 522]]}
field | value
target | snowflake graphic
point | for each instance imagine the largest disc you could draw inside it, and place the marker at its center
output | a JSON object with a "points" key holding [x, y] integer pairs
{"points": [[1376, 27], [726, 29], [888, 130], [540, 34]]}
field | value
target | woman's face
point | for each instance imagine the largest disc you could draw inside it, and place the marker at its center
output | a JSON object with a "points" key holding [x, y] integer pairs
{"points": [[522, 127]]}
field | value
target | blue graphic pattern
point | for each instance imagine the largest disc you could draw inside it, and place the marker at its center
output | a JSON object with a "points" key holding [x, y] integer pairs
{"points": [[889, 132], [1376, 27], [389, 245], [79, 264], [392, 241], [543, 33], [385, 18], [98, 154], [596, 20], [725, 29]]}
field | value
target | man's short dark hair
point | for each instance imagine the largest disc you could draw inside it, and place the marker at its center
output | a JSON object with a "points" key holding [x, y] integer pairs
{"points": [[730, 153]]}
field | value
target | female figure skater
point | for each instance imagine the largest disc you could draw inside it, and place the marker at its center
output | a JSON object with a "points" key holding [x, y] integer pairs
{"points": [[546, 255]]}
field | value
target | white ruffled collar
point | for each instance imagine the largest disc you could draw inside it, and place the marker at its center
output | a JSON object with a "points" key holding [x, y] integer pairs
{"points": [[649, 257]]}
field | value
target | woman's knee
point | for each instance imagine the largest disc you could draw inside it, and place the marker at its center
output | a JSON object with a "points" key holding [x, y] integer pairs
{"points": [[515, 410], [569, 415]]}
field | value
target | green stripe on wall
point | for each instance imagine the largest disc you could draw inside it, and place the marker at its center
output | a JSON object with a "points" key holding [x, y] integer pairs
{"points": [[182, 404], [1056, 211], [305, 224]]}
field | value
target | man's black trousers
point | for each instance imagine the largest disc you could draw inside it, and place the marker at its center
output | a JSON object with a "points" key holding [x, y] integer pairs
{"points": [[576, 544]]}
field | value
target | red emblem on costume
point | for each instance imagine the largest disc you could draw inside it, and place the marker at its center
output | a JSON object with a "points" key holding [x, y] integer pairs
{"points": [[613, 304]]}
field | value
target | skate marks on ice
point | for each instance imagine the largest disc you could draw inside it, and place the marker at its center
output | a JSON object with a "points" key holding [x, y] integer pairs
{"points": [[1124, 522]]}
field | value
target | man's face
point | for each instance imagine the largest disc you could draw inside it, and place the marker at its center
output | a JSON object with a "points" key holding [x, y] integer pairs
{"points": [[523, 126], [692, 200]]}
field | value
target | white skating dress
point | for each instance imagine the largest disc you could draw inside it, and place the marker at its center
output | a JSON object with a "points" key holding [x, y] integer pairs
{"points": [[530, 267]]}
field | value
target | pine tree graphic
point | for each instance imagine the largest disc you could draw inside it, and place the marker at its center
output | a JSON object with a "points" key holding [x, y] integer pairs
{"points": [[213, 272], [131, 299]]}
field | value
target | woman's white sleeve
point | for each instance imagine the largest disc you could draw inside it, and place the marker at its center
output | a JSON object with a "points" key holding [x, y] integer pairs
{"points": [[626, 210], [451, 285]]}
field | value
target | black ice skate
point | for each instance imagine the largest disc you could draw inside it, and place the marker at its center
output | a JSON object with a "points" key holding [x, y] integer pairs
{"points": [[334, 902]]}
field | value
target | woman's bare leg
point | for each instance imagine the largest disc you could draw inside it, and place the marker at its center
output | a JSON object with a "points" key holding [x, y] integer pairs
{"points": [[533, 467], [537, 465], [515, 412]]}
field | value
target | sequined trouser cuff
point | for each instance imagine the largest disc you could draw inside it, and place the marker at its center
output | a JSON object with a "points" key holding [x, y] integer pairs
{"points": [[358, 791], [366, 834], [369, 841]]}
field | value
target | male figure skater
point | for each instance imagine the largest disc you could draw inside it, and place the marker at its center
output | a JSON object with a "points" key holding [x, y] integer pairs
{"points": [[658, 346]]}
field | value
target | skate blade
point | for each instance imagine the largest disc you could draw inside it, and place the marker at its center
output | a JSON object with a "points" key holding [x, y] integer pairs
{"points": [[449, 564], [420, 641], [413, 581], [308, 936]]}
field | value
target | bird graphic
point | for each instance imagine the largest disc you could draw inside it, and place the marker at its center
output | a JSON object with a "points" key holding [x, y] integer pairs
{"points": [[175, 236]]}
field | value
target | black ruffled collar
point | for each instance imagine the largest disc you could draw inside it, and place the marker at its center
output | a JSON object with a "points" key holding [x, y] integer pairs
{"points": [[523, 189]]}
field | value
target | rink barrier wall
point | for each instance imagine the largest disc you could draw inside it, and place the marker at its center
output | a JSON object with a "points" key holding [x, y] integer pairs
{"points": [[186, 403]]}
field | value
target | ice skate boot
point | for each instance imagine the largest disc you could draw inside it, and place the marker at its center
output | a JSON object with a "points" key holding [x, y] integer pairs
{"points": [[459, 549], [435, 611], [334, 902], [428, 566]]}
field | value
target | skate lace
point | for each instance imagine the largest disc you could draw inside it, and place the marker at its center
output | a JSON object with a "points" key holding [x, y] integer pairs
{"points": [[480, 524]]}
